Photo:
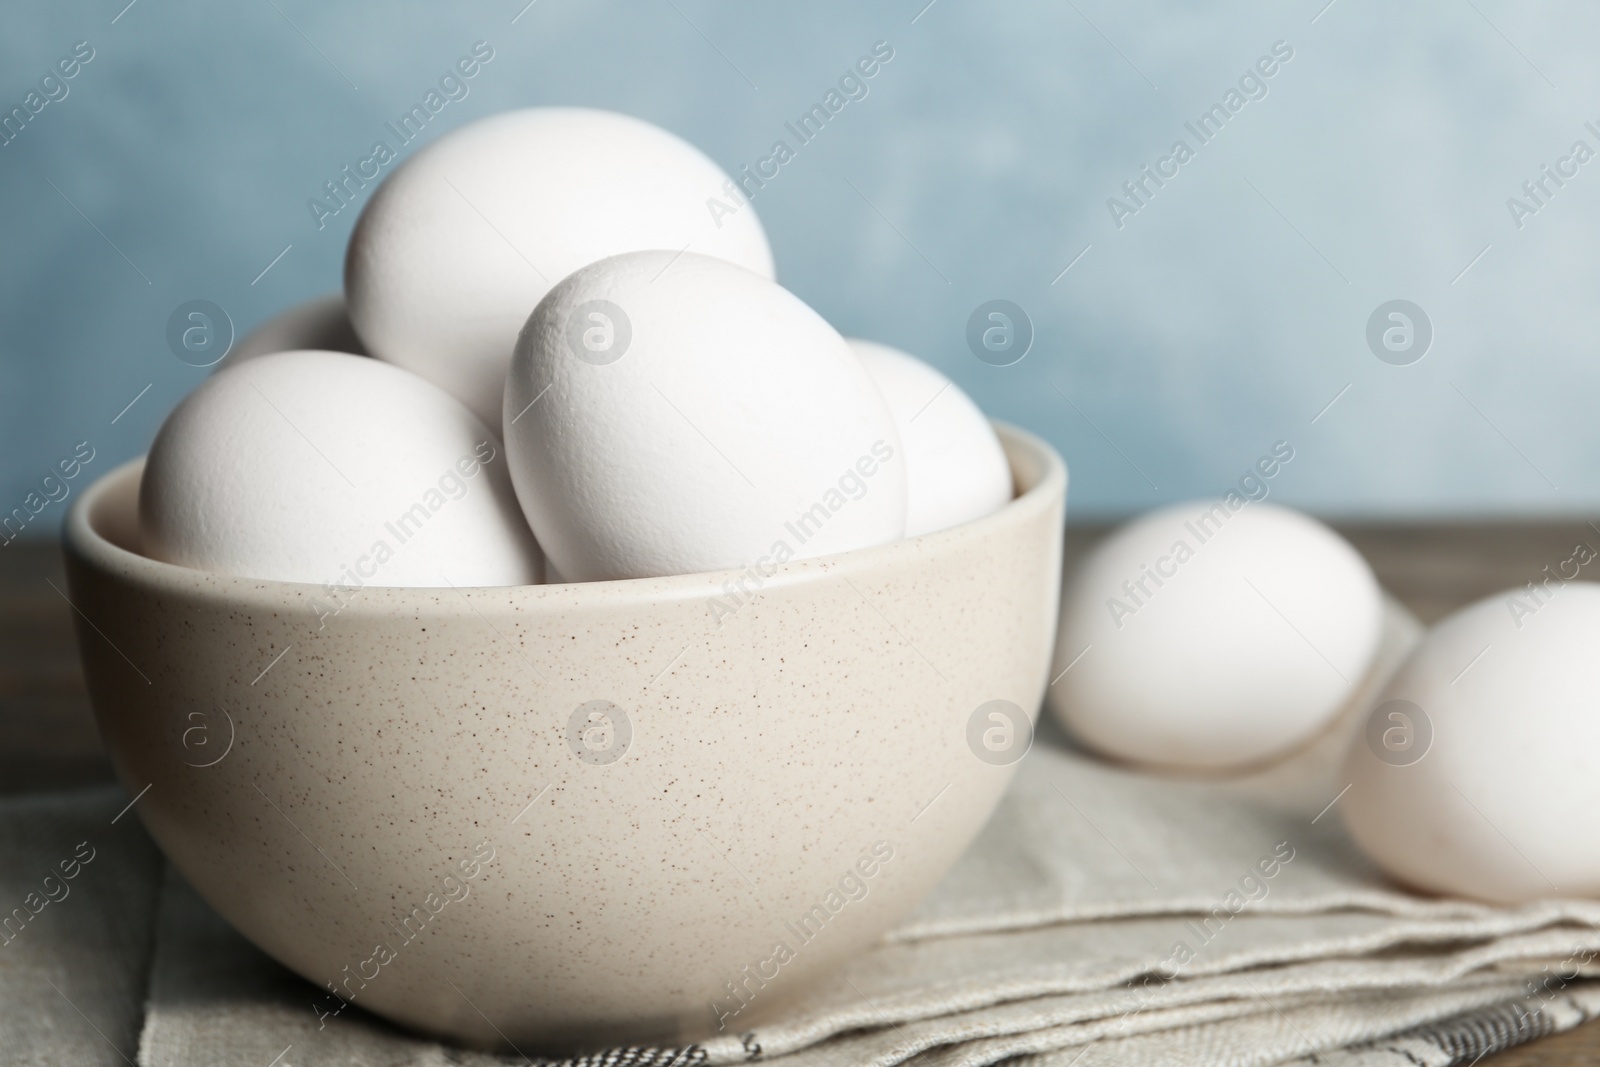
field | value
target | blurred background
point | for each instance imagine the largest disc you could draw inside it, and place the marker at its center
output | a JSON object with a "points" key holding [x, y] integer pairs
{"points": [[1180, 328]]}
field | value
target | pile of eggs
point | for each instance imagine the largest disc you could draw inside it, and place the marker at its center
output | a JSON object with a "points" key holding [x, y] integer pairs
{"points": [[580, 374], [1226, 635]]}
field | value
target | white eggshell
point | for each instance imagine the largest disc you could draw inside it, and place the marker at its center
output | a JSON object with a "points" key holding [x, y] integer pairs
{"points": [[1485, 783], [456, 247], [298, 466], [320, 324], [722, 423], [956, 470], [1213, 637]]}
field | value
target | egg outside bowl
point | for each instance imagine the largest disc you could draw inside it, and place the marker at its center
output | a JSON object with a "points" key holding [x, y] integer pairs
{"points": [[571, 816]]}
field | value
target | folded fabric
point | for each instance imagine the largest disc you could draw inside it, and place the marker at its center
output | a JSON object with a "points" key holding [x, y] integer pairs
{"points": [[78, 882], [215, 1000], [1464, 1039], [1272, 1036]]}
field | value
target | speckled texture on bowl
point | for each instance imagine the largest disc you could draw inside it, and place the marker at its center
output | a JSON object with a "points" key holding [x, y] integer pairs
{"points": [[412, 804]]}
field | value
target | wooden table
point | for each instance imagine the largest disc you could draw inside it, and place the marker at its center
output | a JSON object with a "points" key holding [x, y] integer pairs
{"points": [[48, 739]]}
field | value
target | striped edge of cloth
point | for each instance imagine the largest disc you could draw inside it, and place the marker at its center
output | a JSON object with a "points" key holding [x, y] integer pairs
{"points": [[1458, 1041], [1465, 1039], [691, 1056]]}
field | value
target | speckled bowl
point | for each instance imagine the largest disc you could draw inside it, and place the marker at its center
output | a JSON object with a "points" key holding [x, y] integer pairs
{"points": [[572, 816]]}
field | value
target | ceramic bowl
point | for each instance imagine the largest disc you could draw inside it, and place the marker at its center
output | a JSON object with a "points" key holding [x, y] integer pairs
{"points": [[573, 816]]}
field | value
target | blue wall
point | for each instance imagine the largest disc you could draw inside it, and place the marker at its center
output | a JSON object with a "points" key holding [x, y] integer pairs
{"points": [[1219, 317]]}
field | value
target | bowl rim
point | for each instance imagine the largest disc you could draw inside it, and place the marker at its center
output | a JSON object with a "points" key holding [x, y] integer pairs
{"points": [[1035, 466]]}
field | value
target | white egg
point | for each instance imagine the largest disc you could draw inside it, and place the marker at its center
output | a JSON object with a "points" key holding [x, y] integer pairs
{"points": [[457, 246], [672, 413], [324, 467], [956, 470], [320, 324], [1213, 634], [1476, 773]]}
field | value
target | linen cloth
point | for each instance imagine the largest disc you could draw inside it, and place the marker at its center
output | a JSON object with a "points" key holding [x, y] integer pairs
{"points": [[1055, 941]]}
